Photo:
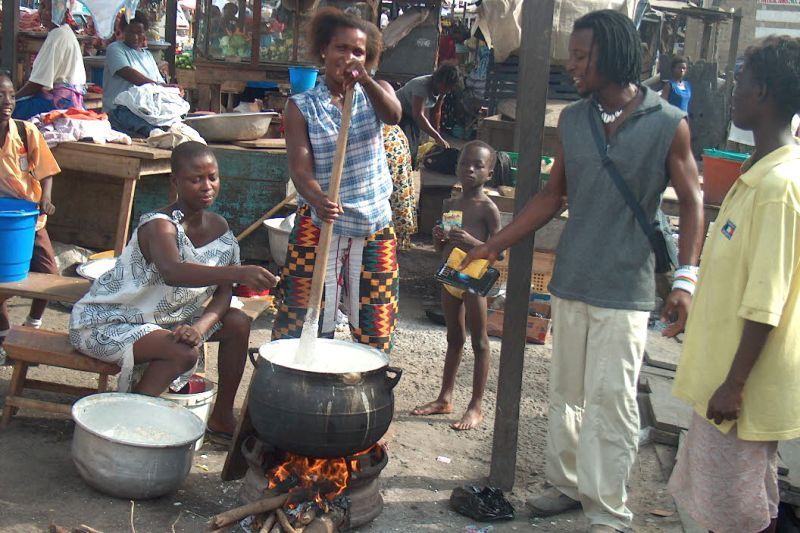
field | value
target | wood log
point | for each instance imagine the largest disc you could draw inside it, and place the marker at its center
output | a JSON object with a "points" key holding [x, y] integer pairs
{"points": [[306, 517], [257, 507], [275, 529], [55, 528], [283, 520], [323, 524], [268, 523]]}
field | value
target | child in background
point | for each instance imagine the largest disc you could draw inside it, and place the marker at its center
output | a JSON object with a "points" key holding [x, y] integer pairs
{"points": [[25, 172], [480, 219]]}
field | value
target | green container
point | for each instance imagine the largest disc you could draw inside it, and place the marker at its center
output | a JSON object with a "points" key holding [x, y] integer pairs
{"points": [[724, 154], [514, 157]]}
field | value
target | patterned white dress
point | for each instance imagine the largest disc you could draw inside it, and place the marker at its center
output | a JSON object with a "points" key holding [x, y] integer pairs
{"points": [[132, 299]]}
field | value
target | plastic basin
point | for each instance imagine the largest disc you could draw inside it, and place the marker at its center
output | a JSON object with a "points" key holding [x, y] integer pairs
{"points": [[720, 170], [302, 78], [17, 231]]}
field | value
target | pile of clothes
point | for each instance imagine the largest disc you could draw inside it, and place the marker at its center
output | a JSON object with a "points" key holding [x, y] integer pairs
{"points": [[75, 124]]}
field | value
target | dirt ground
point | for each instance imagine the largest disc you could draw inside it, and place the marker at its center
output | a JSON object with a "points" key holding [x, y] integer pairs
{"points": [[39, 484]]}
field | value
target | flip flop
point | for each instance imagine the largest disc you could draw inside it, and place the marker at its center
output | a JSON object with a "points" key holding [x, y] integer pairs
{"points": [[219, 437]]}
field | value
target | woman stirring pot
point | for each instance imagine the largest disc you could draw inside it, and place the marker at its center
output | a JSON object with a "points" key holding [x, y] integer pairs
{"points": [[364, 246]]}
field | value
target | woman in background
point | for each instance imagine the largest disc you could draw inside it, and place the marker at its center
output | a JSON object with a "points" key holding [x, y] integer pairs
{"points": [[403, 198], [422, 99], [58, 77], [678, 91]]}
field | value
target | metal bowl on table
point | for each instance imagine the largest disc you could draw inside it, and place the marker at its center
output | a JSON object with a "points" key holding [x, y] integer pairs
{"points": [[133, 446], [227, 127]]}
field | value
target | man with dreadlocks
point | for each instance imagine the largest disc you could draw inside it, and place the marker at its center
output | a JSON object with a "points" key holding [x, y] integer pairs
{"points": [[603, 285]]}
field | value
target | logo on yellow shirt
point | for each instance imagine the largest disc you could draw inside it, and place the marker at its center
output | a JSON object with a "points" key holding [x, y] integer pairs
{"points": [[729, 229]]}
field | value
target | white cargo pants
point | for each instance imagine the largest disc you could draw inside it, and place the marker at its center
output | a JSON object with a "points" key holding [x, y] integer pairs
{"points": [[593, 420]]}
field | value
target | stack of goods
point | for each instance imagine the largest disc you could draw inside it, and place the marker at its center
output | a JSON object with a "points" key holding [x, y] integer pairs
{"points": [[29, 20]]}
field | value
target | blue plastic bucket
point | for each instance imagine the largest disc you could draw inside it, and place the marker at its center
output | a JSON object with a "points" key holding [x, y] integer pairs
{"points": [[17, 230], [302, 78]]}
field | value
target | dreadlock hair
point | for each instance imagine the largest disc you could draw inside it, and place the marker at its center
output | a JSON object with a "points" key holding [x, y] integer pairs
{"points": [[619, 49], [775, 62]]}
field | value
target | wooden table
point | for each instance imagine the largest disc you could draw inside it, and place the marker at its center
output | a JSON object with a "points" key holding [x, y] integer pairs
{"points": [[123, 164]]}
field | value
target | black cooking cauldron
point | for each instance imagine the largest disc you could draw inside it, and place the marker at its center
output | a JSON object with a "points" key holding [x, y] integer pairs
{"points": [[322, 411]]}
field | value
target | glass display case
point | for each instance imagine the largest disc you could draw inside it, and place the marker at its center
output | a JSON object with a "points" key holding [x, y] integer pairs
{"points": [[260, 31]]}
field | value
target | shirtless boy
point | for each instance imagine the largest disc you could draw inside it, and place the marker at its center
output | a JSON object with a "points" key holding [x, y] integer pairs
{"points": [[480, 220]]}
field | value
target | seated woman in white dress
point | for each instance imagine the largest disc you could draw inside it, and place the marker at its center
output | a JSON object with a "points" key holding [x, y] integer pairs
{"points": [[149, 307]]}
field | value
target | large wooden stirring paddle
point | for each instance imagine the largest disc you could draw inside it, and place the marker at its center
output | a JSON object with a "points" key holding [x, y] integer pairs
{"points": [[326, 231]]}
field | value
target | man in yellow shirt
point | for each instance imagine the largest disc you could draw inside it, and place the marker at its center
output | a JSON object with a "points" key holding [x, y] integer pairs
{"points": [[741, 356]]}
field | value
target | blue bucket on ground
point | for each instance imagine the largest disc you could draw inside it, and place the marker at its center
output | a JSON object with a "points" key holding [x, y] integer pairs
{"points": [[302, 78], [17, 230]]}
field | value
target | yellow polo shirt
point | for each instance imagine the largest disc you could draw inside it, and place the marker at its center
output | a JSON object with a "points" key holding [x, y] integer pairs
{"points": [[750, 271], [21, 171]]}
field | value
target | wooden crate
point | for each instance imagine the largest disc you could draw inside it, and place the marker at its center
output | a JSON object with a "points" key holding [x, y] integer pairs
{"points": [[541, 274], [498, 133], [538, 328]]}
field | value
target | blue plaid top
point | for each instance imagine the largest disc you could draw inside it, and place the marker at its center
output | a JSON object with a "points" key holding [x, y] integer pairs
{"points": [[366, 182]]}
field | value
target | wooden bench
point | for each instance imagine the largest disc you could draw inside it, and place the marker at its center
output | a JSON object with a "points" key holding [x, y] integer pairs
{"points": [[26, 346]]}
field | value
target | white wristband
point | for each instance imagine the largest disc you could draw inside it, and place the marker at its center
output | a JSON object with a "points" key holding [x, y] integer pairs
{"points": [[685, 278]]}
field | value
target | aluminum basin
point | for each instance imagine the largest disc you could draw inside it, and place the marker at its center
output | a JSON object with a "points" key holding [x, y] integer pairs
{"points": [[226, 127], [133, 446]]}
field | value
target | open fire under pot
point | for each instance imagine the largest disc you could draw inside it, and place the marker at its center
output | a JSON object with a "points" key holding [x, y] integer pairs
{"points": [[318, 425]]}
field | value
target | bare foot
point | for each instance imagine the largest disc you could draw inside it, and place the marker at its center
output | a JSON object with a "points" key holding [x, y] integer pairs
{"points": [[436, 407], [222, 424], [471, 419]]}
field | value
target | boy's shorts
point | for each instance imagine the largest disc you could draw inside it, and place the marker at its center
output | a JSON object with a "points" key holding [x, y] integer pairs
{"points": [[453, 291], [43, 260]]}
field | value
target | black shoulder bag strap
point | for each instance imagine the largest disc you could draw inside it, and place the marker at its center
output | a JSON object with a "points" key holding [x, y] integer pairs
{"points": [[23, 133], [622, 187]]}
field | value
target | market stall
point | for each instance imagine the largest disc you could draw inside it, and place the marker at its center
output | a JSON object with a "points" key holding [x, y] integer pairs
{"points": [[96, 188], [252, 40], [258, 40]]}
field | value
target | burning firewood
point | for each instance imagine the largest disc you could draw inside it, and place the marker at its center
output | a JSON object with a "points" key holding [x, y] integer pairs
{"points": [[268, 523], [284, 522], [306, 516], [261, 506], [282, 487]]}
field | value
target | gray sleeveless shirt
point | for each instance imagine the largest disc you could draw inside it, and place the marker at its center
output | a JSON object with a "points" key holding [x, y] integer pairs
{"points": [[603, 257]]}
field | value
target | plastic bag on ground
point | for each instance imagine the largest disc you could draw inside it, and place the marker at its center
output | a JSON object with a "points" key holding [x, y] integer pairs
{"points": [[486, 504]]}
